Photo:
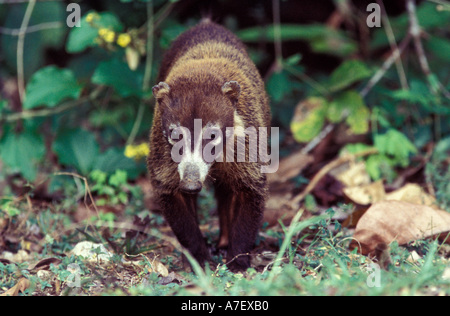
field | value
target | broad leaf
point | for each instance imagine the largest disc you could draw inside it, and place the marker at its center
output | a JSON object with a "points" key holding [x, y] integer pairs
{"points": [[279, 85], [77, 148], [350, 105], [21, 152], [49, 86], [309, 119], [118, 75], [347, 73], [83, 37], [395, 144]]}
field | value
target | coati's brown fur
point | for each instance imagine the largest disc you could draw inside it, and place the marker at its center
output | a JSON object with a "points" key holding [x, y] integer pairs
{"points": [[207, 74]]}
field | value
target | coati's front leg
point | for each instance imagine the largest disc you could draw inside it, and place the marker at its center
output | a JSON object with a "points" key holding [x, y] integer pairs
{"points": [[247, 216], [180, 212], [240, 215]]}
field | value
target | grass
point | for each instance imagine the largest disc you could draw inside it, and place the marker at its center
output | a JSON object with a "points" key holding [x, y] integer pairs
{"points": [[308, 257]]}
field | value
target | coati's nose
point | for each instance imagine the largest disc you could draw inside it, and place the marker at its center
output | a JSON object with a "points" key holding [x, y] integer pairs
{"points": [[191, 179]]}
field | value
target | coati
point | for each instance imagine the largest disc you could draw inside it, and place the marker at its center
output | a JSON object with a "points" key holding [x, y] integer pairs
{"points": [[207, 74]]}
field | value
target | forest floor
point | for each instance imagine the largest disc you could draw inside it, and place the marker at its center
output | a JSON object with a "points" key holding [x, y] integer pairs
{"points": [[70, 246]]}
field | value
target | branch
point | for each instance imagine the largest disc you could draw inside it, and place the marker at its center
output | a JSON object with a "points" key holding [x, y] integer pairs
{"points": [[391, 37], [324, 171], [24, 115], [415, 32], [20, 46], [31, 29], [147, 73], [396, 53]]}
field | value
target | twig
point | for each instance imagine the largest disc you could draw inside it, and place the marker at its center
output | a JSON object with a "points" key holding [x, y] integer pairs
{"points": [[31, 29], [415, 32], [391, 37], [327, 168], [87, 190], [149, 59], [318, 139], [147, 73], [277, 32], [50, 111], [386, 65], [20, 46]]}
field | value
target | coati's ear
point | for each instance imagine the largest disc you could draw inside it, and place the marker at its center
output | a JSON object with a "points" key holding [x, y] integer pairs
{"points": [[160, 90], [232, 89]]}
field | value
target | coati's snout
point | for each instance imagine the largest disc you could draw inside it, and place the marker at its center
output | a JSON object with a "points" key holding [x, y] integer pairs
{"points": [[191, 182]]}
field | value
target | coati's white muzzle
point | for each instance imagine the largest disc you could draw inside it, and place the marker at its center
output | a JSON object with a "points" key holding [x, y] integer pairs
{"points": [[193, 167]]}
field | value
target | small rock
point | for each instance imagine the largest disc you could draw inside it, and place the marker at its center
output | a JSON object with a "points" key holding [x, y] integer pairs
{"points": [[92, 252]]}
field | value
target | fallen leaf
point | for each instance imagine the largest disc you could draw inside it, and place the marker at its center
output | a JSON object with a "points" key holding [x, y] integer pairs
{"points": [[44, 264], [413, 193], [354, 175], [158, 267], [366, 194], [388, 221], [21, 286], [290, 167], [172, 277]]}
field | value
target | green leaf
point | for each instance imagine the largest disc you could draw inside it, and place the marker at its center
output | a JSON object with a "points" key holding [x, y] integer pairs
{"points": [[49, 86], [293, 60], [305, 128], [84, 36], [114, 159], [442, 150], [118, 75], [279, 85], [355, 148], [379, 166], [21, 152], [77, 148], [439, 47], [322, 38], [350, 105], [118, 178], [395, 144], [347, 73]]}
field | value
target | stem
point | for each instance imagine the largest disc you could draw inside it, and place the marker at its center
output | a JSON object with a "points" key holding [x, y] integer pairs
{"points": [[147, 73], [24, 115], [20, 46], [387, 64], [149, 59], [277, 32], [391, 37], [415, 31]]}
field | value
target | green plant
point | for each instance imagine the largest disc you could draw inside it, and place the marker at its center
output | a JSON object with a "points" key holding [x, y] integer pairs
{"points": [[113, 189]]}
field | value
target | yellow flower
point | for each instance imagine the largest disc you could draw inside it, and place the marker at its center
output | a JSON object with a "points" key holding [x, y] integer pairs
{"points": [[137, 151], [123, 40], [91, 17], [107, 35]]}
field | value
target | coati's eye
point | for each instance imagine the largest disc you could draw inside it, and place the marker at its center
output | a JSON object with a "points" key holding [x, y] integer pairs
{"points": [[174, 134], [212, 133]]}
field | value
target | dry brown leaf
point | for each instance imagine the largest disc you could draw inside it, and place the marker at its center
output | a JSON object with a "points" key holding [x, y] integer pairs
{"points": [[388, 221], [290, 167], [354, 175], [21, 286], [44, 264], [413, 193], [158, 267], [366, 194]]}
